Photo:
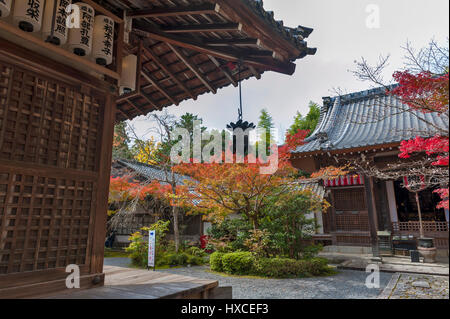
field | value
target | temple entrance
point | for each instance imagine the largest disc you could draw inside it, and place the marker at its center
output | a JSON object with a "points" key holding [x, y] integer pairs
{"points": [[407, 206]]}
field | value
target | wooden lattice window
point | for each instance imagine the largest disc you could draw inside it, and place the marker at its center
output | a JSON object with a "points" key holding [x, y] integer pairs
{"points": [[349, 199], [47, 122]]}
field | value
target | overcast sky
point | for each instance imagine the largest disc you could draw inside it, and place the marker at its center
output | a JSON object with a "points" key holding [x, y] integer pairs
{"points": [[341, 37]]}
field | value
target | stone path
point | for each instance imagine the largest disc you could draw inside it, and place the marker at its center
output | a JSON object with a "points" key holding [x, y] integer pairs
{"points": [[416, 286]]}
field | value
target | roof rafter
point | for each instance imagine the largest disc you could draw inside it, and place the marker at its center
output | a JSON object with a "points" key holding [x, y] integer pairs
{"points": [[154, 82], [166, 69], [226, 54], [193, 67], [211, 8], [224, 71], [235, 42], [215, 27]]}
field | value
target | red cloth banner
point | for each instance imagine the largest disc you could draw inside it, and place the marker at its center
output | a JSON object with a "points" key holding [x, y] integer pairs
{"points": [[348, 180]]}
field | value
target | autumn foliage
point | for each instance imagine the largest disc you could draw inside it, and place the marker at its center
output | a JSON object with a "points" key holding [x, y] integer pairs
{"points": [[426, 93]]}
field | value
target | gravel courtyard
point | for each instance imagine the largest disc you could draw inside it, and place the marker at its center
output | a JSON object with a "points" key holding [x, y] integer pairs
{"points": [[348, 284]]}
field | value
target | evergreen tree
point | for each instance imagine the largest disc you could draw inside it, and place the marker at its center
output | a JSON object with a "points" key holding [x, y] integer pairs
{"points": [[121, 150], [266, 122], [309, 122]]}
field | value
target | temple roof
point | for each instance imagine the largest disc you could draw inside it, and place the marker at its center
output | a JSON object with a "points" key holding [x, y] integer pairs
{"points": [[189, 48], [149, 172], [369, 118]]}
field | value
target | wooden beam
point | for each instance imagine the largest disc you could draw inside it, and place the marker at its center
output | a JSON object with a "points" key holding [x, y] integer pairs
{"points": [[135, 106], [219, 27], [372, 214], [236, 42], [139, 66], [224, 71], [99, 9], [146, 97], [210, 8], [150, 79], [123, 113], [224, 53], [166, 69], [193, 67], [255, 72]]}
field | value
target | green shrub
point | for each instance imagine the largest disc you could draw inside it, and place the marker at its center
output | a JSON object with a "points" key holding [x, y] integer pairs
{"points": [[278, 267], [195, 251], [290, 268], [195, 260], [215, 261], [317, 266], [238, 263], [138, 250]]}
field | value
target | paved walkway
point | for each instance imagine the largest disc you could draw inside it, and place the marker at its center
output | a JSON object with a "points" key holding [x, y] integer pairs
{"points": [[416, 286], [348, 284]]}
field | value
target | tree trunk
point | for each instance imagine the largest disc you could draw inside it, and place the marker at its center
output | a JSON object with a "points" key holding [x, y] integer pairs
{"points": [[176, 232]]}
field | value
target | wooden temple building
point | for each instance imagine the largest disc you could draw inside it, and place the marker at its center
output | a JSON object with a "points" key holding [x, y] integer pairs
{"points": [[370, 123], [64, 85]]}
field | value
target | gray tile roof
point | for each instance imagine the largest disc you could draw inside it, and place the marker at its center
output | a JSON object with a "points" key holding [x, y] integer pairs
{"points": [[152, 173], [315, 188], [369, 118], [295, 35]]}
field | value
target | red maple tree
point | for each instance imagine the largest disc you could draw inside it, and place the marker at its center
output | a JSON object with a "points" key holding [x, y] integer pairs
{"points": [[426, 92]]}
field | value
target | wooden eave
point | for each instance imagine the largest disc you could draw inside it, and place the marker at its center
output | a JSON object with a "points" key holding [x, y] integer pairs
{"points": [[189, 48], [345, 152]]}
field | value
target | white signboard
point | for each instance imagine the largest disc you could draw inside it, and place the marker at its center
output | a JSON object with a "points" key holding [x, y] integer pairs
{"points": [[151, 248]]}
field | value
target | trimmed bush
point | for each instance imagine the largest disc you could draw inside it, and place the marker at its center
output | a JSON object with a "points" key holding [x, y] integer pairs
{"points": [[215, 261], [289, 268], [318, 266], [278, 267], [245, 263], [238, 263]]}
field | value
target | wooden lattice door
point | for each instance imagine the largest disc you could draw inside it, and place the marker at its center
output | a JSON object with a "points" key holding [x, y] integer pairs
{"points": [[350, 209], [51, 134]]}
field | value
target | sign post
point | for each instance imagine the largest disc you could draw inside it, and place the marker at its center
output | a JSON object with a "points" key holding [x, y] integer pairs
{"points": [[151, 249]]}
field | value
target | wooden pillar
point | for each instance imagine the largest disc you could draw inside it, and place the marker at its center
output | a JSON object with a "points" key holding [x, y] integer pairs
{"points": [[105, 160], [372, 212]]}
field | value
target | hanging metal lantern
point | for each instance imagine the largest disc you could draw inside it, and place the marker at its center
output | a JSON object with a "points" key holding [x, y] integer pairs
{"points": [[28, 14], [240, 124], [55, 18], [128, 78], [80, 39], [103, 42], [5, 8]]}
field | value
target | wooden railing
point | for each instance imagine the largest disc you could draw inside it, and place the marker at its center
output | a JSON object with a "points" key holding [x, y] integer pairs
{"points": [[428, 227]]}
